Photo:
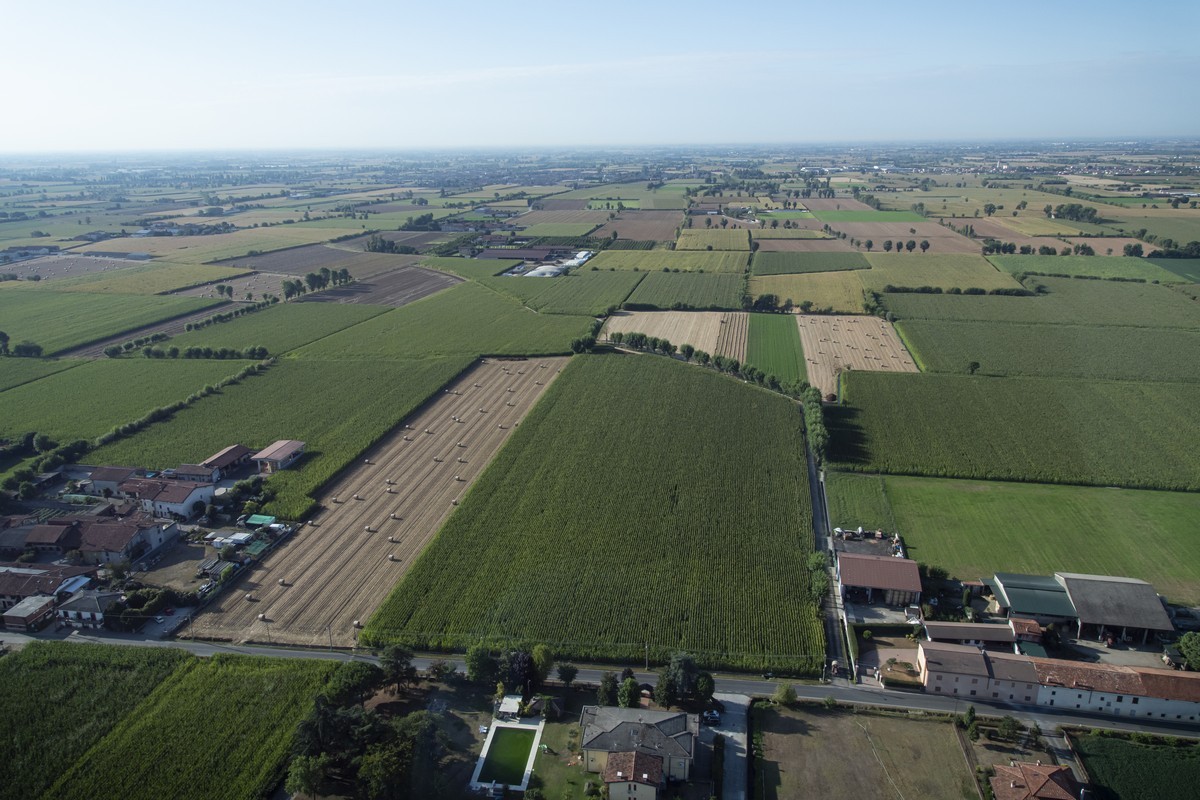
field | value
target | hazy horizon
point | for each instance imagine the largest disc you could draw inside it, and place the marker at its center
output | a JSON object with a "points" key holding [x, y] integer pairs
{"points": [[378, 77]]}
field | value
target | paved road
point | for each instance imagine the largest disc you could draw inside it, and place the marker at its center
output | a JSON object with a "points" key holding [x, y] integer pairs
{"points": [[733, 728]]}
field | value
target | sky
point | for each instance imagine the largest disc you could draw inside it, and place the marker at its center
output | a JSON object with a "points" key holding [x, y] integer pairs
{"points": [[84, 76]]}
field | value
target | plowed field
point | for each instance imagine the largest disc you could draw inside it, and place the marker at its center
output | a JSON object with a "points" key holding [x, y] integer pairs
{"points": [[337, 569]]}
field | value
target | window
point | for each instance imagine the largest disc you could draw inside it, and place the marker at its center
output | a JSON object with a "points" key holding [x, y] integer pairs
{"points": [[972, 693], [1133, 700], [974, 681], [1051, 702], [939, 677], [1120, 698]]}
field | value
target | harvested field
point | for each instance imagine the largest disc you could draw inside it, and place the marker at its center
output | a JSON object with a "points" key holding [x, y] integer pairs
{"points": [[642, 226], [803, 245], [789, 233], [579, 217], [336, 571], [715, 239], [256, 284], [720, 333], [66, 266], [941, 239], [565, 229], [836, 344], [302, 260], [395, 288], [418, 239], [987, 228], [554, 204], [840, 292], [771, 263], [1104, 245]]}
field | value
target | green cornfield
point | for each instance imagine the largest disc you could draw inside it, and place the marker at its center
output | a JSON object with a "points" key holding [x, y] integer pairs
{"points": [[666, 290], [218, 728], [643, 507], [773, 346], [1099, 433], [59, 699], [1122, 769]]}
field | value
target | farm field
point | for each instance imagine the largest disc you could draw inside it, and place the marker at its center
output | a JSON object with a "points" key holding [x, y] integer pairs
{"points": [[1186, 268], [1087, 266], [773, 345], [942, 240], [467, 319], [697, 239], [1100, 433], [1039, 225], [1121, 769], [590, 219], [871, 215], [643, 226], [1067, 301], [658, 260], [718, 333], [916, 758], [1069, 351], [17, 371], [837, 204], [585, 292], [157, 751], [833, 345], [395, 288], [803, 244], [49, 688], [840, 292], [250, 287], [336, 571], [90, 399], [59, 321], [931, 269], [471, 268], [349, 405], [758, 234], [280, 328], [688, 290], [977, 528], [526, 510], [52, 269], [767, 263], [302, 260], [215, 247], [560, 228], [152, 278]]}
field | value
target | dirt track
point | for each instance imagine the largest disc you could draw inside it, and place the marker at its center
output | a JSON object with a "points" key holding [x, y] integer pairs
{"points": [[337, 568], [835, 344]]}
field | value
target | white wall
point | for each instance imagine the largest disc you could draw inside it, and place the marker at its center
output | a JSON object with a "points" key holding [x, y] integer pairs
{"points": [[1119, 705]]}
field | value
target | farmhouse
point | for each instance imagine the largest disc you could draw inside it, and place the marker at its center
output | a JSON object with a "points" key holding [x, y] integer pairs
{"points": [[957, 669], [896, 579], [196, 473], [86, 609], [278, 456], [633, 775], [168, 498], [228, 460], [1105, 603], [107, 481], [670, 736], [19, 581], [104, 542], [995, 637], [58, 536], [29, 614], [1025, 781]]}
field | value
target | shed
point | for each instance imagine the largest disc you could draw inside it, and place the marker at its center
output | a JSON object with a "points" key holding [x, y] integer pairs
{"points": [[280, 455], [1109, 602], [897, 579], [1036, 597], [259, 520], [510, 706], [30, 613]]}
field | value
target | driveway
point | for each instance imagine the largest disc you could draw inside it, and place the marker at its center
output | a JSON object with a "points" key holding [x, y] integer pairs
{"points": [[733, 728]]}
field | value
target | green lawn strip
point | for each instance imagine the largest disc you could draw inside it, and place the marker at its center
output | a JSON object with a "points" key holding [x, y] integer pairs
{"points": [[773, 345]]}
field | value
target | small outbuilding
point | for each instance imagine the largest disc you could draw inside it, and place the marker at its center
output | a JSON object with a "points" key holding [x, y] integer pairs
{"points": [[279, 456], [896, 581], [30, 614]]}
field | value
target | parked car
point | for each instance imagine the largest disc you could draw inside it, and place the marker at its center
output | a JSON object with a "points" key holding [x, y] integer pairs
{"points": [[711, 717], [170, 612], [159, 620]]}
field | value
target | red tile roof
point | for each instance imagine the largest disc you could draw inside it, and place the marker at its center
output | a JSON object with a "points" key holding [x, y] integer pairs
{"points": [[879, 572], [227, 456], [1027, 781], [635, 767]]}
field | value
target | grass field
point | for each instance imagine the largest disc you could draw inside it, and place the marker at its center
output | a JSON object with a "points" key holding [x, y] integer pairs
{"points": [[1068, 351], [281, 328], [876, 756], [1121, 769], [346, 407], [467, 319], [586, 292], [471, 268], [17, 371], [786, 233], [526, 515], [1028, 429], [773, 346], [88, 400], [202, 249], [1067, 301], [162, 749], [832, 216], [688, 290], [766, 263], [838, 291], [715, 239], [976, 528], [1186, 268], [1040, 225], [943, 270], [61, 320], [147, 279], [658, 260], [1087, 266], [58, 699]]}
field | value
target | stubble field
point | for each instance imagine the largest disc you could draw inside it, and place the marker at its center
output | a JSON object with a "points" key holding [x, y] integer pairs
{"points": [[833, 345], [720, 333]]}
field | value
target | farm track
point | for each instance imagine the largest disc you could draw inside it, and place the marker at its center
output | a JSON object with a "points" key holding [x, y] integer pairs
{"points": [[834, 344], [731, 340], [170, 327], [336, 570]]}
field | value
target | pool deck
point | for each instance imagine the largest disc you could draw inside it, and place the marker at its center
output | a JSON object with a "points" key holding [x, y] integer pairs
{"points": [[475, 785]]}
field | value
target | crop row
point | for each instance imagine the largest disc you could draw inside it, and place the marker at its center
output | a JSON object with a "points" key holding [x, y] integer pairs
{"points": [[1105, 433], [774, 346], [693, 534], [667, 290], [218, 729], [58, 699]]}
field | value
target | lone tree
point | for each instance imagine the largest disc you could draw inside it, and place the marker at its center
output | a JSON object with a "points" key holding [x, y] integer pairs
{"points": [[972, 367], [3, 343], [629, 694], [606, 692], [567, 673], [398, 669], [482, 666]]}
